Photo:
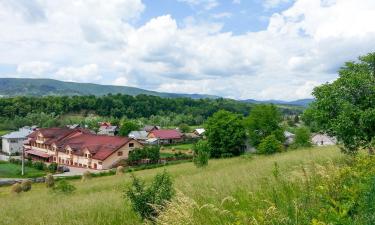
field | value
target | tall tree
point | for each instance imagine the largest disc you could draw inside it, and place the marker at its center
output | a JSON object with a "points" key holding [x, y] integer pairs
{"points": [[225, 133], [264, 120], [127, 126], [345, 108]]}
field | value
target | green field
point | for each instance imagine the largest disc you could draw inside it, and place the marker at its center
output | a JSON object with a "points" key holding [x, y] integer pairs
{"points": [[9, 170], [101, 201]]}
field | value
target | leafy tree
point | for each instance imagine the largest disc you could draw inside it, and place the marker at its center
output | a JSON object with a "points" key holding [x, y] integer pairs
{"points": [[302, 138], [149, 152], [184, 128], [345, 108], [270, 145], [127, 126], [225, 133], [145, 200], [201, 153], [264, 120]]}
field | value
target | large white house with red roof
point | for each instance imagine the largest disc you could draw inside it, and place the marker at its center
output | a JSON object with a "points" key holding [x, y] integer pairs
{"points": [[78, 147]]}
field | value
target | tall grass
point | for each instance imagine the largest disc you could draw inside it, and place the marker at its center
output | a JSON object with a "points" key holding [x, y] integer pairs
{"points": [[225, 192]]}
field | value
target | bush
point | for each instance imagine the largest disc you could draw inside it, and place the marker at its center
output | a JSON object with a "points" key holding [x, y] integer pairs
{"points": [[50, 181], [269, 145], [201, 153], [39, 165], [26, 185], [149, 152], [302, 138], [147, 201], [52, 168], [16, 188], [64, 187], [120, 170], [87, 175]]}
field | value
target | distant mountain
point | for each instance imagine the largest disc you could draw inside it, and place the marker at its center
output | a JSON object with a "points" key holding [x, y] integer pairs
{"points": [[299, 102], [41, 87], [10, 87]]}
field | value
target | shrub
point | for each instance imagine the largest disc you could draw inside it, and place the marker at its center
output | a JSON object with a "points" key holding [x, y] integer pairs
{"points": [[52, 167], [269, 145], [26, 185], [39, 165], [64, 187], [150, 152], [16, 188], [120, 170], [201, 153], [50, 181], [302, 138], [147, 201], [87, 175]]}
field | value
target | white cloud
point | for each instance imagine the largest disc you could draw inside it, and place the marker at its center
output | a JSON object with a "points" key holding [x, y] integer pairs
{"points": [[269, 4], [206, 4], [86, 73], [222, 15], [34, 68], [302, 46]]}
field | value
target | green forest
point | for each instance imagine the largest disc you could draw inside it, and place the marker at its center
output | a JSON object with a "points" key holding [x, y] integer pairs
{"points": [[50, 110]]}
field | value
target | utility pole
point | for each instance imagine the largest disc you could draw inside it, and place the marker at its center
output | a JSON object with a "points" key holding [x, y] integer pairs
{"points": [[23, 161]]}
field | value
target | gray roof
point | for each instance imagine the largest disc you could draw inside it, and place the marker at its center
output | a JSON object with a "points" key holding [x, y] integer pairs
{"points": [[22, 133], [138, 134], [108, 128]]}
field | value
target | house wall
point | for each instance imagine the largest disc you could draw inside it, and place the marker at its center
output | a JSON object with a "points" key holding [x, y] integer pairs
{"points": [[322, 140], [12, 145], [114, 158]]}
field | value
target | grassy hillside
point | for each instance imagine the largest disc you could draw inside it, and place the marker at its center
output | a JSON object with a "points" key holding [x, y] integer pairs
{"points": [[42, 87], [100, 200]]}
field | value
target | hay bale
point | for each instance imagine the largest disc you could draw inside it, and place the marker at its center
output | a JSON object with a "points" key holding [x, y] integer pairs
{"points": [[26, 185], [120, 170], [16, 188], [50, 181], [87, 175]]}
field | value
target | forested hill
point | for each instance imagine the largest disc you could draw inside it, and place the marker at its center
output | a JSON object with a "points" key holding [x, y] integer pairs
{"points": [[10, 87]]}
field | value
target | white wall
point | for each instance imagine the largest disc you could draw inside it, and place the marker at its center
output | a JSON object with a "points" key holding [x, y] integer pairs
{"points": [[12, 145]]}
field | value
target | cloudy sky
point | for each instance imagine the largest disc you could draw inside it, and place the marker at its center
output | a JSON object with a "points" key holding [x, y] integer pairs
{"points": [[261, 49]]}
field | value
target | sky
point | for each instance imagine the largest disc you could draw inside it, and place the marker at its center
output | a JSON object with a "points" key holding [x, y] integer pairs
{"points": [[242, 49]]}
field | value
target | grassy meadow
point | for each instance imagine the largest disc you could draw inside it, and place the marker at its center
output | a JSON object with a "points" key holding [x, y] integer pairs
{"points": [[9, 170], [101, 201]]}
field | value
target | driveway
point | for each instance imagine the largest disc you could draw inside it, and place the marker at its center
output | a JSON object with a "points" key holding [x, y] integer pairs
{"points": [[74, 171]]}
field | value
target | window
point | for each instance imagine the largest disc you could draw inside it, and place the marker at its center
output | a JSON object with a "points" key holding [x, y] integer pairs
{"points": [[131, 145], [119, 153], [100, 163]]}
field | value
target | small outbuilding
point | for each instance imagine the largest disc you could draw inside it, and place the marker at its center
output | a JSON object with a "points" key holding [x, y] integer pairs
{"points": [[323, 140]]}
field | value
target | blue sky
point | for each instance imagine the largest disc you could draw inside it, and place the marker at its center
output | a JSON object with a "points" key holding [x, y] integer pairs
{"points": [[260, 49]]}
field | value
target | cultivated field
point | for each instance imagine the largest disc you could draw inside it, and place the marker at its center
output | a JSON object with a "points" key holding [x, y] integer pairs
{"points": [[101, 201]]}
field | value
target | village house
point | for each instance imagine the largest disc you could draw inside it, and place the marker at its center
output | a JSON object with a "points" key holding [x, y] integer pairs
{"points": [[199, 131], [12, 143], [78, 148], [166, 136], [140, 135], [323, 140], [149, 128], [107, 129], [289, 138]]}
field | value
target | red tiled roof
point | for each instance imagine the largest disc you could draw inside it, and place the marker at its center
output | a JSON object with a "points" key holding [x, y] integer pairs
{"points": [[78, 140], [167, 134], [37, 153], [99, 146]]}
